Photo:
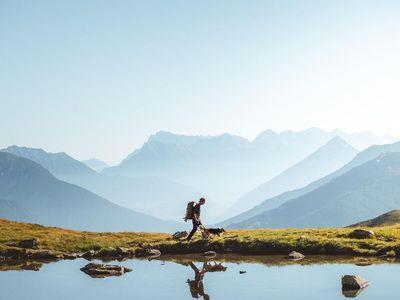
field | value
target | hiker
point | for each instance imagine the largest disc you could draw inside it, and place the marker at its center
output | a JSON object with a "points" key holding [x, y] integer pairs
{"points": [[194, 214]]}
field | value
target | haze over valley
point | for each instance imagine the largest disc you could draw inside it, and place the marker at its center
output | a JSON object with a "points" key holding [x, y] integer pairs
{"points": [[237, 176]]}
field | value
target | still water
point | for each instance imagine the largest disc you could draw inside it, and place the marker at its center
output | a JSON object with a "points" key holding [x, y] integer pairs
{"points": [[188, 278]]}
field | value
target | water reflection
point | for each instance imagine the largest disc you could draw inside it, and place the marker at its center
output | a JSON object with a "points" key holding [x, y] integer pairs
{"points": [[196, 285], [352, 293], [198, 277], [20, 265]]}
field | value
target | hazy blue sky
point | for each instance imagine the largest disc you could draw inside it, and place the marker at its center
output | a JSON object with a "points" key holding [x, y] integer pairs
{"points": [[96, 78]]}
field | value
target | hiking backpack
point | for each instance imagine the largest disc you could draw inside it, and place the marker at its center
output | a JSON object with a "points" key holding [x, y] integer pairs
{"points": [[189, 211]]}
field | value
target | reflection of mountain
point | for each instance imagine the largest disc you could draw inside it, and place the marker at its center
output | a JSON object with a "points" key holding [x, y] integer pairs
{"points": [[155, 196], [274, 202], [361, 193], [320, 163], [31, 193]]}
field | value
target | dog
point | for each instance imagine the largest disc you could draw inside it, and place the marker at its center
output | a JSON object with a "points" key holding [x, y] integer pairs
{"points": [[210, 232]]}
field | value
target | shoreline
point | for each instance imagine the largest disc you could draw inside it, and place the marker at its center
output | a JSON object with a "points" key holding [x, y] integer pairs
{"points": [[54, 243]]}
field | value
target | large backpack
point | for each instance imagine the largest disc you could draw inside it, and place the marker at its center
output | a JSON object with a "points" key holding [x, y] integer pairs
{"points": [[189, 211]]}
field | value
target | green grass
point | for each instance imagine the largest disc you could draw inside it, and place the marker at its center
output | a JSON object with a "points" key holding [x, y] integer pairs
{"points": [[261, 241]]}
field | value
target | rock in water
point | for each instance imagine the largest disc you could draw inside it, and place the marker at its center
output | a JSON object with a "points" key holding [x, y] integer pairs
{"points": [[362, 234], [295, 255], [353, 282], [29, 243], [103, 270]]}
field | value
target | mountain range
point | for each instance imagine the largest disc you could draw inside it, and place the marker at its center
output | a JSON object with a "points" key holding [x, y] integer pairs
{"points": [[159, 197], [225, 167], [29, 192], [160, 177], [360, 193], [364, 156], [326, 159]]}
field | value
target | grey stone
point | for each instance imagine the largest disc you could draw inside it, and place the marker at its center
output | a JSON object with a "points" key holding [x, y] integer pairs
{"points": [[29, 243], [353, 282], [147, 252], [103, 270], [70, 255], [295, 255], [362, 234], [89, 254], [179, 235]]}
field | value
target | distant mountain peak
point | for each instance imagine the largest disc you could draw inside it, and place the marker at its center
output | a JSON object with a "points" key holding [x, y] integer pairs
{"points": [[95, 164], [338, 141], [23, 149]]}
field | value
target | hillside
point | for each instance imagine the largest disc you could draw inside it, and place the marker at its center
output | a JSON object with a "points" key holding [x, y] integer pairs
{"points": [[361, 193], [274, 202], [325, 160], [31, 193], [387, 219], [158, 197]]}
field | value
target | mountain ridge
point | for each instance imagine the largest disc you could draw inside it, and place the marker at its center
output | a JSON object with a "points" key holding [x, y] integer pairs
{"points": [[25, 184], [361, 193], [362, 157], [326, 159]]}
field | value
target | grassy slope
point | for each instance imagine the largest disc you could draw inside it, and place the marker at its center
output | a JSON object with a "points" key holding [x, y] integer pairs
{"points": [[265, 241], [390, 218]]}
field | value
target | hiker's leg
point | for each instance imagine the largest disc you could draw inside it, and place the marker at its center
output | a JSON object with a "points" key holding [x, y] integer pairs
{"points": [[193, 230]]}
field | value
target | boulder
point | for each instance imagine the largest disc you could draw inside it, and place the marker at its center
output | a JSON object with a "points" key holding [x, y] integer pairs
{"points": [[362, 234], [147, 252], [106, 252], [31, 243], [44, 255], [89, 254], [295, 255], [353, 282], [103, 270], [124, 252], [70, 255], [179, 235], [210, 253]]}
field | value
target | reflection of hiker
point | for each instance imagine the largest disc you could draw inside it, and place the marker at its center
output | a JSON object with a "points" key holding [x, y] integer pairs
{"points": [[193, 212], [196, 286]]}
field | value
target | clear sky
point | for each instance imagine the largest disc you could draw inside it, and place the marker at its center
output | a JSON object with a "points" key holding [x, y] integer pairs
{"points": [[96, 78]]}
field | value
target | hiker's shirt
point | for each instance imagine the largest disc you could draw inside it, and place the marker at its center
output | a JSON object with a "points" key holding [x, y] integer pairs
{"points": [[196, 213]]}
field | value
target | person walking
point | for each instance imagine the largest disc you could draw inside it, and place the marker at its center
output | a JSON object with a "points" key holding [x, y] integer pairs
{"points": [[196, 221]]}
